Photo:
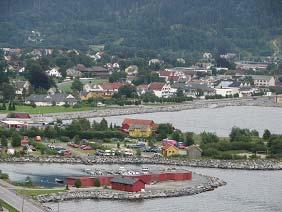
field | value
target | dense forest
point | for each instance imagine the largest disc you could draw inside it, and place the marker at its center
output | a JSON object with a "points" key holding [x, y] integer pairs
{"points": [[144, 27]]}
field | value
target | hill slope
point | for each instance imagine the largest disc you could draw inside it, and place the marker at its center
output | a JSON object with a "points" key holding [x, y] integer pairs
{"points": [[131, 26]]}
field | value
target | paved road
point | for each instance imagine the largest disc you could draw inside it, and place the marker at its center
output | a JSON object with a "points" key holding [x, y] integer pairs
{"points": [[8, 195]]}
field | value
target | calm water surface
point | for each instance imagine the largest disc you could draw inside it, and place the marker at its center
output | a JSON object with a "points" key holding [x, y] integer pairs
{"points": [[245, 190], [218, 120]]}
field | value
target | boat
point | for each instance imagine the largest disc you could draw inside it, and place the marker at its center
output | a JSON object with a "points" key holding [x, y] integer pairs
{"points": [[145, 169], [59, 181]]}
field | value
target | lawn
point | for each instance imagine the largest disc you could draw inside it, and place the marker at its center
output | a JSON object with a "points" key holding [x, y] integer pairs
{"points": [[49, 109], [36, 192], [7, 206]]}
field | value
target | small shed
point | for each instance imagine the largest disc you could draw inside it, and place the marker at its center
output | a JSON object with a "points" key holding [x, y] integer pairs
{"points": [[127, 184], [194, 151]]}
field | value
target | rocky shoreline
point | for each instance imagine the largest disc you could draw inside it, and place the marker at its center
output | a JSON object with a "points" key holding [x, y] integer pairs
{"points": [[220, 164], [108, 194], [196, 104]]}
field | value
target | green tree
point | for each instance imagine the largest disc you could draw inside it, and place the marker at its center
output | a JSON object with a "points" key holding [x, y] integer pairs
{"points": [[266, 134], [208, 138], [128, 91], [97, 183], [77, 85], [77, 183], [4, 141], [16, 140], [189, 138]]}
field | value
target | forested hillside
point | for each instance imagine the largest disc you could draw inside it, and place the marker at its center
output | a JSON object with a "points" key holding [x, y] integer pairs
{"points": [[132, 27]]}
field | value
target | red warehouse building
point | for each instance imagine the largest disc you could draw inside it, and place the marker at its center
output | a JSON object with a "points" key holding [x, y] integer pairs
{"points": [[127, 184]]}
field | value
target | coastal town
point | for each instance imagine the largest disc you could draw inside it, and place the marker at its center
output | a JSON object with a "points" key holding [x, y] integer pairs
{"points": [[51, 99]]}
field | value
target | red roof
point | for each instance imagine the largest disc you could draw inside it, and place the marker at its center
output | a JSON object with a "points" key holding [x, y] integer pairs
{"points": [[166, 73], [156, 86], [138, 122], [19, 115], [111, 86]]}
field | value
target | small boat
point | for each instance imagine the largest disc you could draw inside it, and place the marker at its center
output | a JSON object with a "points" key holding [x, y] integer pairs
{"points": [[59, 181], [145, 169]]}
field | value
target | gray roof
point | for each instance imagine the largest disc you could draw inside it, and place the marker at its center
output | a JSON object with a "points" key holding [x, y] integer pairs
{"points": [[57, 97], [123, 180], [261, 77], [197, 86]]}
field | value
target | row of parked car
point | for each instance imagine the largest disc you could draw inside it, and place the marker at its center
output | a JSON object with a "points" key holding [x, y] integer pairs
{"points": [[83, 147]]}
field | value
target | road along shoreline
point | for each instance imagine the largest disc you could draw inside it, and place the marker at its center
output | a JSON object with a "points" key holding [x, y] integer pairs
{"points": [[128, 110]]}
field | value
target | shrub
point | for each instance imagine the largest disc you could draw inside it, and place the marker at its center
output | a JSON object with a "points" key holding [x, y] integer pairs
{"points": [[77, 183], [97, 183]]}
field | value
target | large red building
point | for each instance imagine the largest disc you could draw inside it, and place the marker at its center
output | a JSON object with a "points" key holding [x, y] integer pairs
{"points": [[127, 123], [127, 184], [131, 183]]}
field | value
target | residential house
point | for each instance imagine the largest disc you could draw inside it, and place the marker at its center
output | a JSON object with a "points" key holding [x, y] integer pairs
{"points": [[90, 87], [132, 70], [160, 89], [140, 131], [172, 76], [155, 62], [170, 150], [142, 89], [207, 55], [24, 141], [194, 151], [263, 81], [58, 99], [73, 73], [110, 89], [54, 72], [194, 90], [130, 123], [13, 124], [247, 65], [226, 91], [22, 87]]}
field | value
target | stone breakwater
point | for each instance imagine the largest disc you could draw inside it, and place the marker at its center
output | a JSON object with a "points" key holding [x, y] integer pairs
{"points": [[221, 164], [108, 194], [196, 104]]}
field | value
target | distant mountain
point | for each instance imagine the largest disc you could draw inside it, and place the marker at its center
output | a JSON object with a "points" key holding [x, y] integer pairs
{"points": [[144, 26]]}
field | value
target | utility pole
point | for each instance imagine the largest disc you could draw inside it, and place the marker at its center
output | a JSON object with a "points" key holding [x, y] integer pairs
{"points": [[58, 206]]}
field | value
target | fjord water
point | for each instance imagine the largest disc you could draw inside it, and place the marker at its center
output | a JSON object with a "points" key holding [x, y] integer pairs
{"points": [[245, 190], [258, 191], [218, 120]]}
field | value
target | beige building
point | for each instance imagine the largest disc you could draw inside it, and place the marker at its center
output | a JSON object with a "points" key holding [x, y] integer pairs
{"points": [[263, 81], [279, 99]]}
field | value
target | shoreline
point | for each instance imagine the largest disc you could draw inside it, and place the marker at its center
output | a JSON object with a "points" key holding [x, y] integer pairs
{"points": [[108, 194], [258, 164], [196, 104]]}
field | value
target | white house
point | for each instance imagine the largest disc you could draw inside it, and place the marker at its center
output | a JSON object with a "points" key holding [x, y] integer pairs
{"points": [[263, 81], [54, 72], [89, 87], [160, 89], [22, 86], [58, 99], [227, 91]]}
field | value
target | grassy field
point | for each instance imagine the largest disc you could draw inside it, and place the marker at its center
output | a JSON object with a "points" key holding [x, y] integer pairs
{"points": [[7, 206], [50, 109], [35, 192]]}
